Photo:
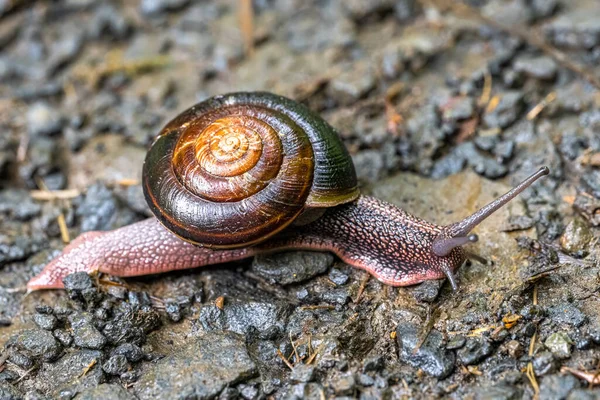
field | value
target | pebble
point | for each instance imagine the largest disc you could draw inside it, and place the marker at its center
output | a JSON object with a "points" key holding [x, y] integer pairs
{"points": [[302, 391], [173, 311], [43, 119], [248, 392], [85, 334], [291, 267], [458, 108], [567, 313], [105, 391], [338, 277], [365, 380], [39, 344], [21, 360], [373, 364], [65, 375], [45, 321], [456, 342], [343, 385], [9, 392], [474, 351], [500, 391], [303, 373], [560, 344], [427, 291], [543, 363], [116, 365], [557, 386], [514, 349], [352, 84], [63, 336], [577, 28], [540, 67], [204, 366], [154, 7], [130, 325], [132, 352], [431, 356], [506, 112]]}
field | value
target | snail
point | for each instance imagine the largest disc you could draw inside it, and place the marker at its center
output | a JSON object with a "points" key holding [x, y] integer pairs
{"points": [[247, 173]]}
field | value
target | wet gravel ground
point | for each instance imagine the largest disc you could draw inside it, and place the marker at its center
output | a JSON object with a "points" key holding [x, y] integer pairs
{"points": [[440, 111]]}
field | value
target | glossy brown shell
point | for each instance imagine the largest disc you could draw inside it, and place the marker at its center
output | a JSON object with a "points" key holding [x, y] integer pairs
{"points": [[235, 169]]}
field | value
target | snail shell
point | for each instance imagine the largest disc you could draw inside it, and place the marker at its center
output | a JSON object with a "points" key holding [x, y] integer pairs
{"points": [[235, 169]]}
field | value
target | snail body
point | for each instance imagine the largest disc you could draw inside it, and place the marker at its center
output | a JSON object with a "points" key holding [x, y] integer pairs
{"points": [[247, 173]]}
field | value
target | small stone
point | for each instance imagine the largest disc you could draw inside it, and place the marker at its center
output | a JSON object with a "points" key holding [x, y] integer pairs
{"points": [[343, 385], [291, 267], [65, 375], [338, 277], [9, 392], [458, 108], [352, 84], [373, 364], [85, 334], [105, 391], [45, 321], [560, 344], [173, 311], [514, 349], [543, 363], [576, 28], [63, 336], [427, 291], [498, 392], [204, 366], [431, 357], [365, 380], [43, 309], [39, 344], [576, 237], [78, 281], [541, 67], [248, 392], [43, 119], [116, 365], [229, 393], [474, 351], [303, 373], [456, 342], [132, 352], [557, 386], [506, 112], [567, 313], [21, 360], [154, 7]]}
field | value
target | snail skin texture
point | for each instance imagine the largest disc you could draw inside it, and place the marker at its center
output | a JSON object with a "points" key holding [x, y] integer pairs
{"points": [[248, 173]]}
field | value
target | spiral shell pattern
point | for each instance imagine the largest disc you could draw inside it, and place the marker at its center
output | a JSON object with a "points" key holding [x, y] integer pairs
{"points": [[236, 169]]}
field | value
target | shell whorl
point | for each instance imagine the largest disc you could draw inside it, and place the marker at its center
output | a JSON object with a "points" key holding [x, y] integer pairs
{"points": [[236, 169]]}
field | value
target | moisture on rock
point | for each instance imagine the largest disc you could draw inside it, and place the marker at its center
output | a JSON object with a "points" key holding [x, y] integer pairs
{"points": [[291, 267], [200, 369], [431, 356]]}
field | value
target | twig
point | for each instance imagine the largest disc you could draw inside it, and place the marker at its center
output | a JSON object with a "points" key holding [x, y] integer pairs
{"points": [[361, 288], [64, 231], [89, 366], [539, 107], [285, 360], [48, 195], [247, 26]]}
